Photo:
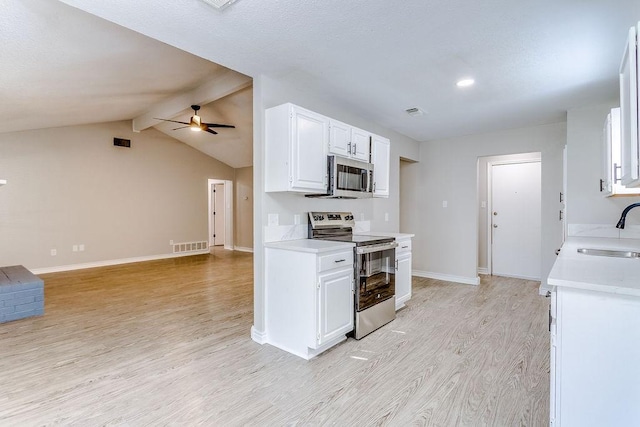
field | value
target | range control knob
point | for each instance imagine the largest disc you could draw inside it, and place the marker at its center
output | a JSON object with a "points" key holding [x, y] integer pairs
{"points": [[316, 217]]}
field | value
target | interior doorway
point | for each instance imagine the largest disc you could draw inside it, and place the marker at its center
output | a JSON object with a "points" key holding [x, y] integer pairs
{"points": [[485, 211], [220, 213], [515, 218]]}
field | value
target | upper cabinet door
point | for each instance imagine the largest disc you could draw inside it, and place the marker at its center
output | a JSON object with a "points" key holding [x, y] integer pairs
{"points": [[629, 111], [339, 138], [380, 156], [360, 144], [310, 139]]}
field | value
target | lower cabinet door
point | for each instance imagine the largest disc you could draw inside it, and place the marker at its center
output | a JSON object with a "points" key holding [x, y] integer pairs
{"points": [[403, 279], [335, 305]]}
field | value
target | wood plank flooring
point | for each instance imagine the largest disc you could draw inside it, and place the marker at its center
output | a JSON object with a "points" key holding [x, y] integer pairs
{"points": [[168, 343]]}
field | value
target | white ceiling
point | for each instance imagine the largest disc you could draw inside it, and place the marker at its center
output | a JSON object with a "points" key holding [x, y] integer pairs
{"points": [[61, 66], [531, 60]]}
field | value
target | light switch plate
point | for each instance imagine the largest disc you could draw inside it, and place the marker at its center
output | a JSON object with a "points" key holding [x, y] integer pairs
{"points": [[444, 204], [296, 219]]}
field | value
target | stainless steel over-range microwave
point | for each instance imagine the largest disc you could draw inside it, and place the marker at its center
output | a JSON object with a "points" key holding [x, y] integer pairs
{"points": [[348, 179]]}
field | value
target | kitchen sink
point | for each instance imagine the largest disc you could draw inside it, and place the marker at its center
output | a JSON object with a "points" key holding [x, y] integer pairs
{"points": [[609, 252]]}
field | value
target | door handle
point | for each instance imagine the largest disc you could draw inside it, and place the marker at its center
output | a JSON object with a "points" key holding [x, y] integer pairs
{"points": [[495, 225]]}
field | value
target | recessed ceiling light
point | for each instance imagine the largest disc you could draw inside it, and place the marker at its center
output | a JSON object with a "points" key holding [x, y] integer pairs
{"points": [[415, 111], [219, 4], [465, 82]]}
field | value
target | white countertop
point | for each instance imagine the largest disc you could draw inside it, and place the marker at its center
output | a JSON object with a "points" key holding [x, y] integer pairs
{"points": [[310, 245], [397, 236], [597, 273]]}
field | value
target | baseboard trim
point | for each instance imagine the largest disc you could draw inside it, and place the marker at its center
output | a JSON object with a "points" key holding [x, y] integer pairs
{"points": [[544, 288], [242, 249], [447, 277], [483, 270], [71, 267], [258, 336]]}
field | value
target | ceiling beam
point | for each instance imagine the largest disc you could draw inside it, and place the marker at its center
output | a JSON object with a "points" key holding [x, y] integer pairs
{"points": [[224, 83]]}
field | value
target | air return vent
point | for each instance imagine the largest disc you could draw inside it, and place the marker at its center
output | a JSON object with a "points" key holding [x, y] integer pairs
{"points": [[220, 4], [415, 111], [179, 248]]}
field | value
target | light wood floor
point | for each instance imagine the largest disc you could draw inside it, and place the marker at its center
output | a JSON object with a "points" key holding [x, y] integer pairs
{"points": [[167, 343]]}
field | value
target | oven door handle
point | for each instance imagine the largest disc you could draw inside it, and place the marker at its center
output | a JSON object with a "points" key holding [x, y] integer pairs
{"points": [[375, 248]]}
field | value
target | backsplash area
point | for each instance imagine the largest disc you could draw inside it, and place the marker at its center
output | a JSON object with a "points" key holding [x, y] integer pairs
{"points": [[277, 233], [603, 230]]}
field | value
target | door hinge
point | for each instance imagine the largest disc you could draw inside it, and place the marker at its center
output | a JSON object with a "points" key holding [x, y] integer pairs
{"points": [[318, 285], [318, 337]]}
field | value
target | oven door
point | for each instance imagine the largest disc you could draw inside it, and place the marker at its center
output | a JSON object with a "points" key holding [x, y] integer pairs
{"points": [[375, 275]]}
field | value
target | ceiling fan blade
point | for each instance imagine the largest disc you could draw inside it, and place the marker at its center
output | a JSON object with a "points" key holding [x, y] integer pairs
{"points": [[216, 125], [181, 127], [211, 131], [173, 121]]}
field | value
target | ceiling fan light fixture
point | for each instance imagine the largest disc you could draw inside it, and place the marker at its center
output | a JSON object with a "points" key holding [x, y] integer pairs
{"points": [[219, 4]]}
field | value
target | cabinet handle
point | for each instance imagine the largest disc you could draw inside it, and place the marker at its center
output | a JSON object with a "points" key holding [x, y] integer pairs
{"points": [[601, 185], [615, 173], [374, 187], [354, 149], [396, 265], [349, 148], [405, 247], [340, 260]]}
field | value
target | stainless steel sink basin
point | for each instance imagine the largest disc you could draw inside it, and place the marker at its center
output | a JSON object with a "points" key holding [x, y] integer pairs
{"points": [[609, 252]]}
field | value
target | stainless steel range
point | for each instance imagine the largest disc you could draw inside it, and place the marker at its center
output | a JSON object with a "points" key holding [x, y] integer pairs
{"points": [[374, 269]]}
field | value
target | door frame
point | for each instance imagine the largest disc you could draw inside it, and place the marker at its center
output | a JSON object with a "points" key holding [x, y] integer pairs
{"points": [[228, 212], [490, 164]]}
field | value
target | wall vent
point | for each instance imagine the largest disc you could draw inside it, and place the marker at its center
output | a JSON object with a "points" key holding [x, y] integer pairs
{"points": [[415, 111], [219, 4], [179, 248]]}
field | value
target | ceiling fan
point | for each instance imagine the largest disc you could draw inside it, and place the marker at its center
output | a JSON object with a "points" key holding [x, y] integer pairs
{"points": [[196, 124]]}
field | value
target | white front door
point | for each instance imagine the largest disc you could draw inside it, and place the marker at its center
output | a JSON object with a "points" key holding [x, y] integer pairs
{"points": [[218, 214], [515, 220]]}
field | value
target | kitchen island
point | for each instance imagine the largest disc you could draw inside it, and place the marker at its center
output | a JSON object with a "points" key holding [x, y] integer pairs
{"points": [[595, 334]]}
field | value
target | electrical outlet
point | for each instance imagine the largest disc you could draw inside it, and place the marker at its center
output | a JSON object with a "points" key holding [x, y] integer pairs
{"points": [[361, 217], [171, 242], [273, 219], [54, 252], [296, 219], [386, 216], [444, 204], [81, 247], [74, 248], [483, 204]]}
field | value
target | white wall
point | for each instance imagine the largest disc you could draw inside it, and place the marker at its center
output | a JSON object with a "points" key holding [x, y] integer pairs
{"points": [[446, 242], [71, 185], [585, 204], [243, 210], [268, 93]]}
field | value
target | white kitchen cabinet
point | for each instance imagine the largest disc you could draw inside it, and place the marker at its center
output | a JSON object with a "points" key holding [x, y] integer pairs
{"points": [[309, 297], [594, 359], [380, 157], [629, 111], [348, 141], [296, 142], [403, 272], [594, 336], [610, 184]]}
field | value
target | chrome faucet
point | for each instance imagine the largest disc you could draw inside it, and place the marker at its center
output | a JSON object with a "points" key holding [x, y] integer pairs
{"points": [[623, 217]]}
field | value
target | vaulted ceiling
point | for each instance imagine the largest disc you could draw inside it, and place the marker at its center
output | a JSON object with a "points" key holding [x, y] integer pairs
{"points": [[532, 61]]}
